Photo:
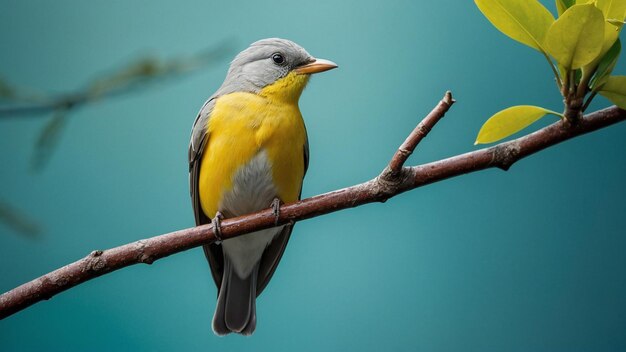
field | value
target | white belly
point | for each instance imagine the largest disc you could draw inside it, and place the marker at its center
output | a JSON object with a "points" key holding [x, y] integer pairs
{"points": [[253, 190]]}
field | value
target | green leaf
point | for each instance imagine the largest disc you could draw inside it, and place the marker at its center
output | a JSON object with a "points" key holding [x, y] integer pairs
{"points": [[575, 39], [617, 23], [607, 64], [526, 21], [615, 90], [563, 71], [612, 9], [563, 5], [510, 121], [578, 75], [614, 12]]}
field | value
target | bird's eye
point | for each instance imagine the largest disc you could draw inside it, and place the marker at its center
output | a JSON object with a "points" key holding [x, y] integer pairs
{"points": [[278, 59]]}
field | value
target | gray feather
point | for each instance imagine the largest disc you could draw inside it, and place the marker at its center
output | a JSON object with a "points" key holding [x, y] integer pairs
{"points": [[236, 303], [252, 69]]}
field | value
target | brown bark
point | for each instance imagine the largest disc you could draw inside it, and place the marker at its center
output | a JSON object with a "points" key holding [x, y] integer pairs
{"points": [[393, 180]]}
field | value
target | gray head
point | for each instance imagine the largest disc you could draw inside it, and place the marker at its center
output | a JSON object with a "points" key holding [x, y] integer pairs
{"points": [[257, 67], [266, 61]]}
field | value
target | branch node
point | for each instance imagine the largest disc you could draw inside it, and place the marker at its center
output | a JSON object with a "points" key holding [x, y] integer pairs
{"points": [[387, 184], [405, 152], [95, 262], [60, 281], [505, 155], [447, 98], [146, 259], [43, 293], [142, 257], [573, 110], [96, 253], [424, 130]]}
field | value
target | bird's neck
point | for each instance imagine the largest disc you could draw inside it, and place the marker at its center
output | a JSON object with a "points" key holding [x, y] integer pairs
{"points": [[287, 89]]}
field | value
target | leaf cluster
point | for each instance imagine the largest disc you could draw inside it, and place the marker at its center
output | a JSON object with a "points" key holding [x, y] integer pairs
{"points": [[581, 46]]}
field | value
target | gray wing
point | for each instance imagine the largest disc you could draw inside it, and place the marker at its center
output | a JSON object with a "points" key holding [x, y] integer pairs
{"points": [[199, 138], [214, 254]]}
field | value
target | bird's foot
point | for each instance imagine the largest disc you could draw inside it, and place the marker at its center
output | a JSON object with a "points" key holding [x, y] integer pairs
{"points": [[276, 203], [217, 226]]}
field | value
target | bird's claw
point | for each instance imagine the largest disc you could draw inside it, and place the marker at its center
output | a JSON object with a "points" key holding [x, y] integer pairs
{"points": [[217, 226], [276, 203]]}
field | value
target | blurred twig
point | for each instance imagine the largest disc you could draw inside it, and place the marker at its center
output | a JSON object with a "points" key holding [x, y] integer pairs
{"points": [[140, 74], [16, 220], [18, 101], [48, 139], [130, 77]]}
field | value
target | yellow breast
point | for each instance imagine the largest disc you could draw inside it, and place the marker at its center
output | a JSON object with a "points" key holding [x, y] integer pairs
{"points": [[243, 124]]}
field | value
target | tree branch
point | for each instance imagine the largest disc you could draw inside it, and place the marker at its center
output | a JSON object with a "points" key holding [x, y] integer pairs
{"points": [[393, 180], [137, 74]]}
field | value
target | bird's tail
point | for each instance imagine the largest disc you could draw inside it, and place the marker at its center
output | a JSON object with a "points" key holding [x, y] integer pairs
{"points": [[236, 302]]}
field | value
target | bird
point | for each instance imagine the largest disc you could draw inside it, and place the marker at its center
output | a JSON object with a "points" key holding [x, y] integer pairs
{"points": [[249, 151]]}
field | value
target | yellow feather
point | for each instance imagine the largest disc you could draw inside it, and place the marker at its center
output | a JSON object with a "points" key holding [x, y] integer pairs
{"points": [[241, 125]]}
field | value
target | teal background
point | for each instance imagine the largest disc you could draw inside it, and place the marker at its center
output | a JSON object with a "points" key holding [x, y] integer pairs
{"points": [[528, 260]]}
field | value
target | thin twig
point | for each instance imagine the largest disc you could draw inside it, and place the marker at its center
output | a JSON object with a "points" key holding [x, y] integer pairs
{"points": [[137, 74], [555, 71], [422, 129], [18, 221], [32, 110], [379, 189]]}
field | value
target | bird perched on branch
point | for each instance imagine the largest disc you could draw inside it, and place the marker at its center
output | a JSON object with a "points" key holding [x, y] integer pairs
{"points": [[249, 151]]}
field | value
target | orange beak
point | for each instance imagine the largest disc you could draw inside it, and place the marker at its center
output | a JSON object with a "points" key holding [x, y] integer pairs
{"points": [[318, 65]]}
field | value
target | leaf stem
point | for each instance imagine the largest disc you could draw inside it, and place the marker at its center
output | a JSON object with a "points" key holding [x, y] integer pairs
{"points": [[559, 82], [564, 88], [583, 86], [593, 95]]}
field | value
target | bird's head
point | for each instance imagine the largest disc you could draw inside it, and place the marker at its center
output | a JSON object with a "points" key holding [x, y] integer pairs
{"points": [[276, 68]]}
